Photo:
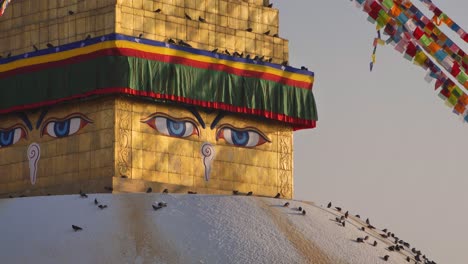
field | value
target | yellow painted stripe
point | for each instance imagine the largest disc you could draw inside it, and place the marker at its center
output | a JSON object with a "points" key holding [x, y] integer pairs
{"points": [[63, 55]]}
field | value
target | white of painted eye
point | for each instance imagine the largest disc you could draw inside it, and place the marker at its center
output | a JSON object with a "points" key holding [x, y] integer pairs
{"points": [[17, 135], [254, 138], [161, 125], [75, 124], [50, 129], [228, 135], [188, 129]]}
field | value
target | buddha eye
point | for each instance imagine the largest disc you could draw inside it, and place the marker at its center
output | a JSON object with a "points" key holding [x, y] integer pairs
{"points": [[70, 125], [170, 126], [11, 136], [241, 137]]}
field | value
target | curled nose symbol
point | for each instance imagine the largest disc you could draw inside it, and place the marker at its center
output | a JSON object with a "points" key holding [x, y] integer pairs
{"points": [[34, 154], [208, 153]]}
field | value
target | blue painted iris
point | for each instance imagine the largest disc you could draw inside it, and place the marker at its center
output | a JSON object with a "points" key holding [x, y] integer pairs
{"points": [[61, 129], [6, 138], [176, 128], [11, 136], [239, 138], [247, 137], [171, 126]]}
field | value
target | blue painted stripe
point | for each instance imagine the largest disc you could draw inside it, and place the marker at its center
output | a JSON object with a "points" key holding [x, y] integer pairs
{"points": [[115, 36]]}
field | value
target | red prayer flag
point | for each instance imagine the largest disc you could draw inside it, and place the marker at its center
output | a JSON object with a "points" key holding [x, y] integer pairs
{"points": [[455, 69], [411, 50], [418, 33], [465, 37], [375, 6], [445, 93], [437, 11]]}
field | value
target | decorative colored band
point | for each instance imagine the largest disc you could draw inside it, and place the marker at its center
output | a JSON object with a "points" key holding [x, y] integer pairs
{"points": [[160, 50], [115, 65], [291, 79]]}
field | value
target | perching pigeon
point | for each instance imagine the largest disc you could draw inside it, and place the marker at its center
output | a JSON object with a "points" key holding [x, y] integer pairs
{"points": [[76, 228]]}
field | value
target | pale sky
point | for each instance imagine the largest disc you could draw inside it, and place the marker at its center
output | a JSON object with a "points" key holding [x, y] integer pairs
{"points": [[386, 146]]}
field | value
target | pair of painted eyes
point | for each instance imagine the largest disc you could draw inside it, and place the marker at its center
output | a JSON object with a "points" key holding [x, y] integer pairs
{"points": [[65, 127], [183, 128], [56, 128]]}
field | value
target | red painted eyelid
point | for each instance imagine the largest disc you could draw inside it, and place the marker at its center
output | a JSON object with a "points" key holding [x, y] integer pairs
{"points": [[70, 116], [159, 114], [219, 134]]}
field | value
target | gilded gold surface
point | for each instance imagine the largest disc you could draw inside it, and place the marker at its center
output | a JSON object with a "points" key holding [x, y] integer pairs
{"points": [[72, 160], [152, 156], [48, 21], [118, 143]]}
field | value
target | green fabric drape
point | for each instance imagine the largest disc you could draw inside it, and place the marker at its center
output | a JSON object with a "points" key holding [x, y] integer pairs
{"points": [[142, 75]]}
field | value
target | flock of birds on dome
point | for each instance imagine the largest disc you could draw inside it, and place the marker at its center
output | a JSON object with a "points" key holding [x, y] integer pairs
{"points": [[371, 235], [392, 242]]}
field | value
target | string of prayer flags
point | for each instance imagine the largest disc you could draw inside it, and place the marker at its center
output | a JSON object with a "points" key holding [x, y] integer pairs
{"points": [[435, 44], [377, 41], [3, 6], [421, 41], [441, 17]]}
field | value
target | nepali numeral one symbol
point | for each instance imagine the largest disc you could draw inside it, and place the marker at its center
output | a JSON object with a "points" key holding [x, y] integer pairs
{"points": [[34, 154], [208, 153]]}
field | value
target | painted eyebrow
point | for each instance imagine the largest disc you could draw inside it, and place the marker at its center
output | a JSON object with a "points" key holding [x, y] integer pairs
{"points": [[41, 118], [25, 119], [217, 119], [197, 115]]}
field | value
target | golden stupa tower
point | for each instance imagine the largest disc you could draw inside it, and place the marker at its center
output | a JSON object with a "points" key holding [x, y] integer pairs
{"points": [[123, 95]]}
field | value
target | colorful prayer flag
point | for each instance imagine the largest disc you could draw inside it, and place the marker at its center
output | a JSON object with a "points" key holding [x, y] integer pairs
{"points": [[3, 6], [422, 42]]}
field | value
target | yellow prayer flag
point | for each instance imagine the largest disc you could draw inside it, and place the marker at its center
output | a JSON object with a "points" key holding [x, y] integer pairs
{"points": [[420, 58], [452, 100]]}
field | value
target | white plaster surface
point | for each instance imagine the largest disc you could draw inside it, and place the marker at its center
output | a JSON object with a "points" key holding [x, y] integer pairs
{"points": [[191, 229]]}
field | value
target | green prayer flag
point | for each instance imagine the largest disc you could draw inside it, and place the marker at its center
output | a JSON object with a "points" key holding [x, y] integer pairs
{"points": [[457, 92], [426, 41], [462, 78], [452, 100], [388, 4]]}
